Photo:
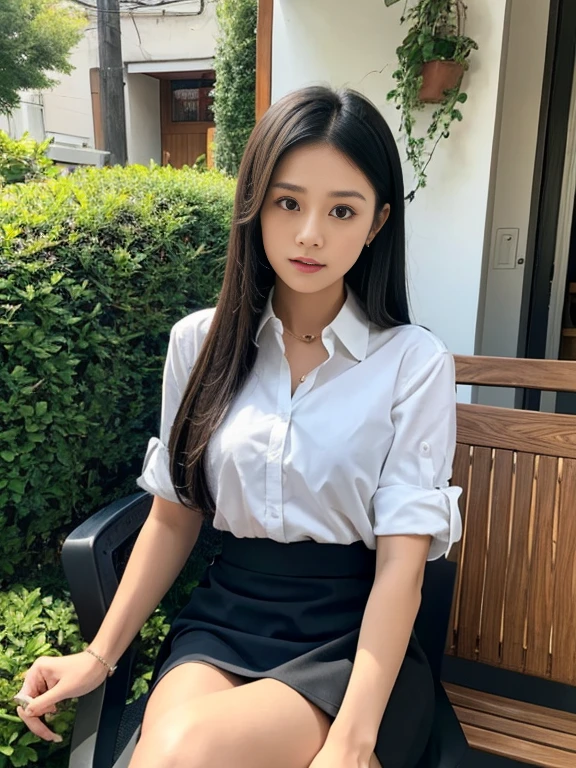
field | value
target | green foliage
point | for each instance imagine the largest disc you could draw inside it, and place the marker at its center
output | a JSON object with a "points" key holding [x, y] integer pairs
{"points": [[36, 624], [436, 32], [36, 37], [32, 625], [95, 267], [24, 159], [234, 94]]}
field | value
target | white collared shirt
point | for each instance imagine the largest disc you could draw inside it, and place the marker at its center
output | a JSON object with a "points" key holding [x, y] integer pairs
{"points": [[363, 448]]}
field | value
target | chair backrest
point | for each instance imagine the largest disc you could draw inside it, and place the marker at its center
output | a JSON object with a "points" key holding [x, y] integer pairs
{"points": [[433, 618], [515, 594]]}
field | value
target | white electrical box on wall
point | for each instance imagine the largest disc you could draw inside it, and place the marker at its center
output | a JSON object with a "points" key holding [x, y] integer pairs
{"points": [[505, 249]]}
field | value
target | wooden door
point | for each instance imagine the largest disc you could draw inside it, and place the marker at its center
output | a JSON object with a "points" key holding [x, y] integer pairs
{"points": [[186, 117]]}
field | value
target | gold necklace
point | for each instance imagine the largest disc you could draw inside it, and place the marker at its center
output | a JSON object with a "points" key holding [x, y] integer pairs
{"points": [[308, 338]]}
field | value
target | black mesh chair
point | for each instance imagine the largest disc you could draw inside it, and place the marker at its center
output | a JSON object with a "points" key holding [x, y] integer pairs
{"points": [[106, 728]]}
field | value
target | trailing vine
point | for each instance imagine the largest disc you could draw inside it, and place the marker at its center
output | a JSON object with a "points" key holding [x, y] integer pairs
{"points": [[436, 33]]}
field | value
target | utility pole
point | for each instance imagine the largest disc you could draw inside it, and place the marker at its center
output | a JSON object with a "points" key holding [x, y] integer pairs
{"points": [[112, 81]]}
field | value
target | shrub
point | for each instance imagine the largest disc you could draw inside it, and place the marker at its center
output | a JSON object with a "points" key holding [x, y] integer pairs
{"points": [[33, 625], [94, 270], [24, 159], [36, 624], [234, 94]]}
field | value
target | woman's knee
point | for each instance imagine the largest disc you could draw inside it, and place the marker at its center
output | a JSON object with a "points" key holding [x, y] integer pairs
{"points": [[187, 740]]}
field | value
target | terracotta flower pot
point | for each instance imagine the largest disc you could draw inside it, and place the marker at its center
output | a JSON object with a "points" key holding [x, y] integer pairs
{"points": [[438, 77]]}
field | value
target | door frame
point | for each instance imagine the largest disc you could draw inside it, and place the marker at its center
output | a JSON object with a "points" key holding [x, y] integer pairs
{"points": [[543, 233], [264, 56]]}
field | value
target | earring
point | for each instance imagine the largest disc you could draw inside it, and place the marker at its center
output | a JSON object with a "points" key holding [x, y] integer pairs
{"points": [[368, 244]]}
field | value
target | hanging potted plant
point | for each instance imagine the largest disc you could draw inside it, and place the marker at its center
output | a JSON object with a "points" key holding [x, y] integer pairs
{"points": [[431, 63]]}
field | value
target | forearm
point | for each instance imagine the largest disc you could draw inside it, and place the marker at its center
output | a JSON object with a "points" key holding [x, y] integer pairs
{"points": [[159, 554], [384, 636]]}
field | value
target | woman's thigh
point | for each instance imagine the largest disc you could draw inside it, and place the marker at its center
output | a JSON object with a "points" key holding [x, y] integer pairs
{"points": [[254, 725], [181, 686]]}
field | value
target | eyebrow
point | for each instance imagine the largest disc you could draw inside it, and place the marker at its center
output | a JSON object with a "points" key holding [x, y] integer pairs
{"points": [[302, 190]]}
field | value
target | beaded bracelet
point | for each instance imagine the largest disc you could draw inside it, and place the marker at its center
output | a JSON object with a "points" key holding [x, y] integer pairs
{"points": [[111, 669]]}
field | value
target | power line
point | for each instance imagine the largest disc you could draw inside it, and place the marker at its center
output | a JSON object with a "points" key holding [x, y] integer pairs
{"points": [[126, 6]]}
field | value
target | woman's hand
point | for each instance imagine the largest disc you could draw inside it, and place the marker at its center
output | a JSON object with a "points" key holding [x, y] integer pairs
{"points": [[52, 679], [336, 755]]}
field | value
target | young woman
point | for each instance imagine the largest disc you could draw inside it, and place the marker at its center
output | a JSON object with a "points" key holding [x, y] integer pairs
{"points": [[315, 426]]}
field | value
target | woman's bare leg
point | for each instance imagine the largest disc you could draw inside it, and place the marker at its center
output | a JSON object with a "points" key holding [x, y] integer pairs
{"points": [[202, 717], [256, 725], [198, 680], [192, 680]]}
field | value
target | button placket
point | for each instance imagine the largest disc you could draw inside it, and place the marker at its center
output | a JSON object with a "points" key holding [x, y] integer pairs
{"points": [[274, 520], [308, 381]]}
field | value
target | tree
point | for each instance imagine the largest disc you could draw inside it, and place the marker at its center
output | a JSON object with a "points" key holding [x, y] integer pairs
{"points": [[36, 37], [234, 94]]}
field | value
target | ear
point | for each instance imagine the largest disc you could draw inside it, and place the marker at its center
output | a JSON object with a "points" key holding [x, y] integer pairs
{"points": [[379, 220]]}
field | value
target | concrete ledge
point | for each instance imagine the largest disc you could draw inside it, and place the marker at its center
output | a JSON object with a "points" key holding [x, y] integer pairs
{"points": [[77, 155]]}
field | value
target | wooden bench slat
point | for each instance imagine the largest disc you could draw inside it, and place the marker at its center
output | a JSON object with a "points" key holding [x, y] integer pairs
{"points": [[539, 613], [515, 588], [550, 375], [516, 749], [460, 478], [515, 728], [564, 602], [511, 709], [497, 558], [516, 598], [474, 555], [550, 434]]}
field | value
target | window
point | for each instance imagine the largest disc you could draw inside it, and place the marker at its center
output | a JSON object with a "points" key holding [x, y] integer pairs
{"points": [[191, 100]]}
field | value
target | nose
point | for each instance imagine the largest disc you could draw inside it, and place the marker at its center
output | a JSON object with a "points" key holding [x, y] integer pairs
{"points": [[310, 234]]}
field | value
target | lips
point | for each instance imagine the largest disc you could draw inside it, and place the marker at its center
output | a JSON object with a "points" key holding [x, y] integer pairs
{"points": [[312, 262], [307, 266]]}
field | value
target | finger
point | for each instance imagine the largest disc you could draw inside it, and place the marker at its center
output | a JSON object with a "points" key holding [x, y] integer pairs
{"points": [[22, 699], [35, 684], [44, 704], [38, 727]]}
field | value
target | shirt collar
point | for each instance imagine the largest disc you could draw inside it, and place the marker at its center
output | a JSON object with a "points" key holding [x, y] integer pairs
{"points": [[267, 314], [350, 325]]}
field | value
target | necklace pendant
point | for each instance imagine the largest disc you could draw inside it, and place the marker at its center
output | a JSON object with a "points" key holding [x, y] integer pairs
{"points": [[308, 338]]}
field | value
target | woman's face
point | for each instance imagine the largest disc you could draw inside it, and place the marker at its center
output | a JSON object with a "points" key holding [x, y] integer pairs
{"points": [[317, 216]]}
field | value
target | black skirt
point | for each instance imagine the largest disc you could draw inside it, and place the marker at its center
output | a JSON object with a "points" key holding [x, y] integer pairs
{"points": [[292, 612]]}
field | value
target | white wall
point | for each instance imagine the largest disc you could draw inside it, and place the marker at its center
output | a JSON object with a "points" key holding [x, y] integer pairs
{"points": [[26, 118], [143, 119], [510, 208], [148, 35], [169, 33], [68, 106], [340, 43]]}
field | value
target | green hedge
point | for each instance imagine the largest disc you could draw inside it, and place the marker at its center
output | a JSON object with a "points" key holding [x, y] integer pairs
{"points": [[235, 90], [33, 625], [38, 624], [24, 159], [94, 269]]}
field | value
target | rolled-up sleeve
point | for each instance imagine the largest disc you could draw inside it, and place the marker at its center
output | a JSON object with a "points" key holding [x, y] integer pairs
{"points": [[155, 477], [413, 495]]}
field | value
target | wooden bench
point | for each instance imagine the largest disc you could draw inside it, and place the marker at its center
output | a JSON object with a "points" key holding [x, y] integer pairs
{"points": [[515, 598]]}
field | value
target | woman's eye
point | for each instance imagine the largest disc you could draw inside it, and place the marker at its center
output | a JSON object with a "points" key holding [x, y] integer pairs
{"points": [[342, 212], [288, 204]]}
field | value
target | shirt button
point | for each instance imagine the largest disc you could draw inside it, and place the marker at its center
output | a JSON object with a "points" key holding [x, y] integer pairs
{"points": [[424, 447]]}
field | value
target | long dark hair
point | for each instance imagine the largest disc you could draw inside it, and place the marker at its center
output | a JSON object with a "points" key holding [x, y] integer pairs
{"points": [[350, 123]]}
